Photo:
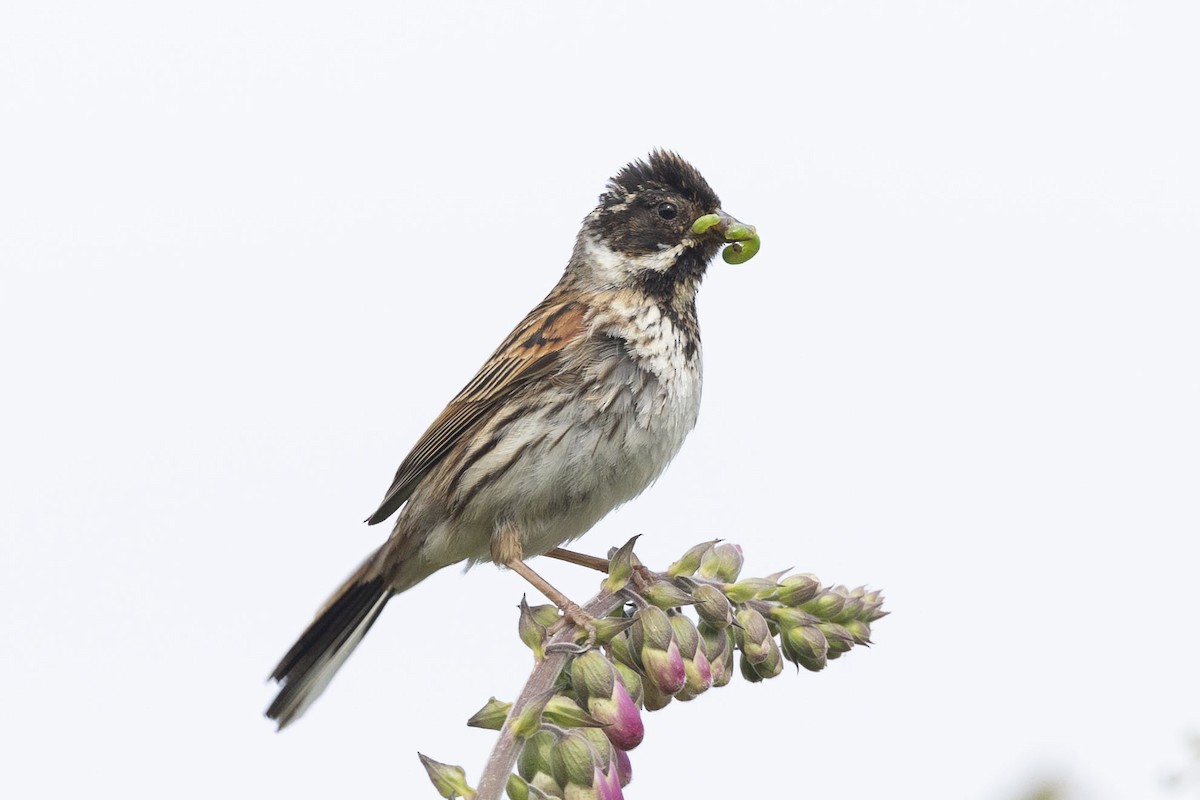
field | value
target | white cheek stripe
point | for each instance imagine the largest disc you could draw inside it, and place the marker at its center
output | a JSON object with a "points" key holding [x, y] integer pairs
{"points": [[615, 268]]}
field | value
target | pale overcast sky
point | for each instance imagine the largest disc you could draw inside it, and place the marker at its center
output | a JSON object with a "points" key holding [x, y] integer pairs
{"points": [[249, 250]]}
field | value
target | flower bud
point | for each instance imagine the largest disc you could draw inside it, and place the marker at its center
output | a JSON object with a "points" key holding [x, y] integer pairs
{"points": [[664, 668], [449, 780], [796, 589], [653, 638], [805, 645], [624, 767], [491, 717], [620, 568], [772, 665], [695, 664], [652, 698], [609, 627], [545, 614], [623, 652], [712, 606], [529, 719], [872, 605], [748, 670], [786, 617], [749, 589], [858, 630], [665, 594], [753, 635], [632, 681], [689, 562], [566, 713], [533, 763], [607, 699], [592, 675], [718, 650], [840, 640], [601, 746], [825, 605], [651, 627], [723, 562], [516, 788], [573, 763], [852, 609], [532, 632]]}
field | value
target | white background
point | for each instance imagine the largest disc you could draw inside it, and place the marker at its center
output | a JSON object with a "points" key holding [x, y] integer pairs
{"points": [[249, 250]]}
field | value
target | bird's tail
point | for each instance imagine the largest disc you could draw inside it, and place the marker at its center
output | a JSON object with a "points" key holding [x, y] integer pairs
{"points": [[326, 644]]}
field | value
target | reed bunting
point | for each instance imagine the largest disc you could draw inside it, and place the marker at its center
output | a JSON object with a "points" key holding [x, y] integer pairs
{"points": [[577, 411]]}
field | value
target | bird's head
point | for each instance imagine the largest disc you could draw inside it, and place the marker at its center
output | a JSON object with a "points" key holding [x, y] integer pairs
{"points": [[660, 222]]}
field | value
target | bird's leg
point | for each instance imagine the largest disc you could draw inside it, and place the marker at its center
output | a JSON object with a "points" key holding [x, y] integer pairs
{"points": [[580, 559], [507, 550], [642, 576]]}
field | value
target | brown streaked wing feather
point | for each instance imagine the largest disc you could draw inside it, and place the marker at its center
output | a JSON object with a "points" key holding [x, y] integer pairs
{"points": [[532, 350]]}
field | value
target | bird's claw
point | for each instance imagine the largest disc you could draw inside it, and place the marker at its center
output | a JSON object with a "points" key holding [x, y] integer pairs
{"points": [[572, 614]]}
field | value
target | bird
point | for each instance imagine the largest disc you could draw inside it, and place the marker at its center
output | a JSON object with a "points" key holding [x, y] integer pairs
{"points": [[578, 410]]}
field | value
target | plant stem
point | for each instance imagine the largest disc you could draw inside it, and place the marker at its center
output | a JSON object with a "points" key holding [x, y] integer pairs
{"points": [[504, 754]]}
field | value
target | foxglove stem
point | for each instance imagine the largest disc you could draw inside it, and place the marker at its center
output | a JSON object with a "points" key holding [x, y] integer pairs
{"points": [[545, 673]]}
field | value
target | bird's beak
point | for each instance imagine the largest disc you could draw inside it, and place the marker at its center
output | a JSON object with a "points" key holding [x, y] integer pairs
{"points": [[743, 239]]}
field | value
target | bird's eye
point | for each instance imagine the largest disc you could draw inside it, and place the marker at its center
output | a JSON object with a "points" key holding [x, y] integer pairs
{"points": [[667, 210]]}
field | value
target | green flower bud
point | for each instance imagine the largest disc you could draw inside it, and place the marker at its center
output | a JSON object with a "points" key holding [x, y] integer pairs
{"points": [[622, 650], [575, 763], [450, 781], [749, 589], [545, 614], [772, 665], [696, 669], [665, 594], [652, 628], [620, 568], [840, 640], [607, 628], [529, 719], [723, 562], [601, 746], [592, 676], [718, 649], [796, 589], [491, 717], [652, 698], [858, 630], [825, 605], [686, 635], [712, 605], [566, 713], [872, 606], [753, 635], [532, 633], [690, 561], [806, 646], [516, 788], [653, 638], [748, 670], [786, 617], [852, 610], [534, 761]]}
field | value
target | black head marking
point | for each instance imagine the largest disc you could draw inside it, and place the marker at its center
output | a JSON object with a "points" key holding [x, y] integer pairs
{"points": [[662, 171], [650, 206]]}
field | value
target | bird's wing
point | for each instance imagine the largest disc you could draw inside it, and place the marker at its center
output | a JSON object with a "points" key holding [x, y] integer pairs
{"points": [[533, 350]]}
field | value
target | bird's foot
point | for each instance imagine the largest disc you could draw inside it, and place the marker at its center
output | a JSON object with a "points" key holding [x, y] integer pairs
{"points": [[572, 614]]}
